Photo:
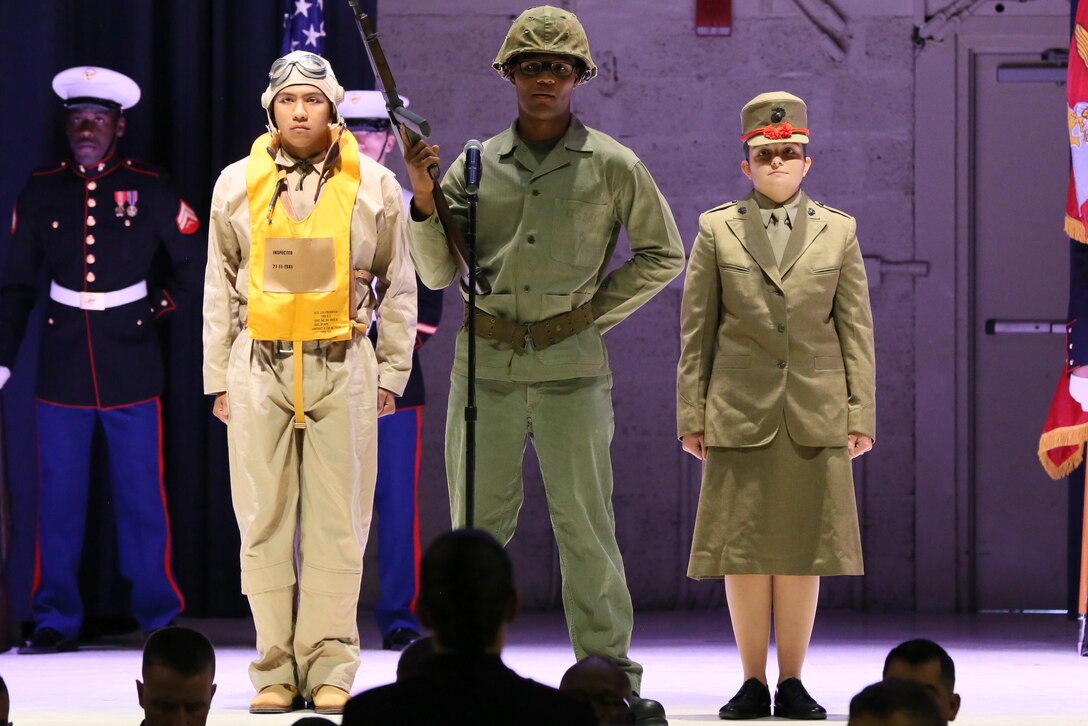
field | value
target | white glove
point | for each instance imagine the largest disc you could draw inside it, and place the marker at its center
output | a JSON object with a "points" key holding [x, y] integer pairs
{"points": [[5, 374], [1078, 389]]}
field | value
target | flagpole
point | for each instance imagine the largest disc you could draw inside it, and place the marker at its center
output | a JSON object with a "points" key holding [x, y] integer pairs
{"points": [[1082, 600]]}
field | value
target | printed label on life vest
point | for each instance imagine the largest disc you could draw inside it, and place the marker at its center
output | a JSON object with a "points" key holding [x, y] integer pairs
{"points": [[299, 264]]}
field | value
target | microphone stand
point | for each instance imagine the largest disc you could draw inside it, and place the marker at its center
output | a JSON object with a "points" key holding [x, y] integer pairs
{"points": [[470, 408]]}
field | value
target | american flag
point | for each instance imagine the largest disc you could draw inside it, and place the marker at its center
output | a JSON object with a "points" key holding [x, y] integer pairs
{"points": [[303, 26]]}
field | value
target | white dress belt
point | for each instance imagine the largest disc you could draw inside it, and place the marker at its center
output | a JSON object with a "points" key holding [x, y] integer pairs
{"points": [[97, 300]]}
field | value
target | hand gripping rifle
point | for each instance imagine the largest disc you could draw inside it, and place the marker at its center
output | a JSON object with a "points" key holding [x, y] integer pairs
{"points": [[413, 126]]}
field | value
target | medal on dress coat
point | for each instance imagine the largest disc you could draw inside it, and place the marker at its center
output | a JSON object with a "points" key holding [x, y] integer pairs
{"points": [[126, 203]]}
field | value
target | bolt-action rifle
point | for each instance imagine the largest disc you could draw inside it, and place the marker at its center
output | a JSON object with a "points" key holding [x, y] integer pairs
{"points": [[413, 126]]}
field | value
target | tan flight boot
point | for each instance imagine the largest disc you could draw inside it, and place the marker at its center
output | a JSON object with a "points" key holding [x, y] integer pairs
{"points": [[329, 700], [277, 698]]}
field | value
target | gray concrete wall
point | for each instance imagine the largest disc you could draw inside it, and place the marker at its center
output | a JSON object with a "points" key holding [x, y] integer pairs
{"points": [[675, 99]]}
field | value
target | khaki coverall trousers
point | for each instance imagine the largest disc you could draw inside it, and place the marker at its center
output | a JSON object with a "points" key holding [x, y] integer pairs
{"points": [[570, 424], [318, 482]]}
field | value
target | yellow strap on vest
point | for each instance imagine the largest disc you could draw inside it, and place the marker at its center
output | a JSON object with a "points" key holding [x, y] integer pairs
{"points": [[296, 357]]}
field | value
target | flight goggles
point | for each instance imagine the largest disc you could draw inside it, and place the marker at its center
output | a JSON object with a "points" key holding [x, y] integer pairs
{"points": [[309, 65]]}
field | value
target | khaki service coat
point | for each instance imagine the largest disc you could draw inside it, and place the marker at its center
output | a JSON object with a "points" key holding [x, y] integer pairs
{"points": [[764, 344]]}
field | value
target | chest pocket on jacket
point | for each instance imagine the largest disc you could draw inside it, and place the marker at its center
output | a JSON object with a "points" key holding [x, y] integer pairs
{"points": [[580, 232]]}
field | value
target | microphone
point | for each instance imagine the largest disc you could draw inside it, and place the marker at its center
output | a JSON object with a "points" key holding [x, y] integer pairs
{"points": [[474, 167]]}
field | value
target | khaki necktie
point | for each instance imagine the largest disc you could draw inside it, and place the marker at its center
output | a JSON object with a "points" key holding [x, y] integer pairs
{"points": [[778, 231]]}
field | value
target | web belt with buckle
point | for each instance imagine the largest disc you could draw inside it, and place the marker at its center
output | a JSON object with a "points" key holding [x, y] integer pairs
{"points": [[542, 334], [85, 300]]}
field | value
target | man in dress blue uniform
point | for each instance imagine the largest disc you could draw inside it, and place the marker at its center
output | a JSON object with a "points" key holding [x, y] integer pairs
{"points": [[399, 434], [95, 222]]}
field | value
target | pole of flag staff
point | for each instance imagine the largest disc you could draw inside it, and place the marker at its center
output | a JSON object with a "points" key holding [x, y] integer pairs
{"points": [[1082, 600]]}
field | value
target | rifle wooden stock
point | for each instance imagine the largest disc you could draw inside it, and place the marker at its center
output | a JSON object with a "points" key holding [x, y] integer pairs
{"points": [[413, 127]]}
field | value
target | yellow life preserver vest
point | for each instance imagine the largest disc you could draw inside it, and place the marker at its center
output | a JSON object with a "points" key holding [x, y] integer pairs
{"points": [[300, 275]]}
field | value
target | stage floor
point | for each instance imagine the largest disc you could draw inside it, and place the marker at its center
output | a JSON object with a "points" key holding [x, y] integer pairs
{"points": [[1012, 669]]}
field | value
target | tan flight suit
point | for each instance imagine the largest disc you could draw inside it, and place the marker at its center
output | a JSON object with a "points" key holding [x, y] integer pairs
{"points": [[547, 231], [320, 483]]}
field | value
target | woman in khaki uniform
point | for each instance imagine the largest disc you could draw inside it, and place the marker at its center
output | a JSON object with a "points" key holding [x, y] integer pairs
{"points": [[775, 393]]}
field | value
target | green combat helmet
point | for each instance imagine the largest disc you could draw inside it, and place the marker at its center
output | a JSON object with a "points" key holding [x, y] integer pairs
{"points": [[546, 29]]}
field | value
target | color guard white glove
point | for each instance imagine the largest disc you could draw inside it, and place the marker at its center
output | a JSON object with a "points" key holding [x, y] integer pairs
{"points": [[1078, 389], [5, 374]]}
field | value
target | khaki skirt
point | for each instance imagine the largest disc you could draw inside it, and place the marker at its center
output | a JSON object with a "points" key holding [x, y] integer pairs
{"points": [[778, 509]]}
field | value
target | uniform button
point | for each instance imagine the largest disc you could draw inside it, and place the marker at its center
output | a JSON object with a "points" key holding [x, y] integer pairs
{"points": [[536, 192], [781, 364], [101, 167], [90, 277], [90, 221], [50, 321], [55, 224], [128, 222], [526, 288], [90, 239], [164, 302], [532, 239], [139, 322], [90, 259], [92, 185], [781, 328], [91, 202]]}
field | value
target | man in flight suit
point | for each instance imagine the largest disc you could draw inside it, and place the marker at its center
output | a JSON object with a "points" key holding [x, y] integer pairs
{"points": [[553, 197], [300, 230], [95, 223]]}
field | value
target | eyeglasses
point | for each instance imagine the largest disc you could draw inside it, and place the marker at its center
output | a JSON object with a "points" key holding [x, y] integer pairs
{"points": [[310, 65], [530, 68]]}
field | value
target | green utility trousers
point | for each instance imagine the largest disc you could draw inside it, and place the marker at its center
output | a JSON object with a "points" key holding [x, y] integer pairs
{"points": [[570, 425]]}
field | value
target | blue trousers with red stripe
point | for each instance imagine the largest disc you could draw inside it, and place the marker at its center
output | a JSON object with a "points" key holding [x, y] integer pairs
{"points": [[133, 437], [395, 504]]}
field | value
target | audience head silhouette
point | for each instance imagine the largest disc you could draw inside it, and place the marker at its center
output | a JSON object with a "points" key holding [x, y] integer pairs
{"points": [[930, 666], [894, 702], [466, 592], [600, 683], [178, 678]]}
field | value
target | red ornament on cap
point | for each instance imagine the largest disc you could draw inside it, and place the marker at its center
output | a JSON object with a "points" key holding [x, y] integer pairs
{"points": [[775, 132]]}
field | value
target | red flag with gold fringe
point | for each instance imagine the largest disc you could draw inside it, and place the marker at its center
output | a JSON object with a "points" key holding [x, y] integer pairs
{"points": [[1061, 446]]}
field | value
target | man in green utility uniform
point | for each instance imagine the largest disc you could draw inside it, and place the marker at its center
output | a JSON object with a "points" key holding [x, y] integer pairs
{"points": [[553, 197]]}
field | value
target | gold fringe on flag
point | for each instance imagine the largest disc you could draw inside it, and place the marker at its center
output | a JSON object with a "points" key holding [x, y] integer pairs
{"points": [[1074, 228], [1058, 438]]}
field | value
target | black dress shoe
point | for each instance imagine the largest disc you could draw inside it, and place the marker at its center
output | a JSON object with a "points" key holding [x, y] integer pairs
{"points": [[791, 700], [46, 640], [399, 639], [753, 700], [647, 711]]}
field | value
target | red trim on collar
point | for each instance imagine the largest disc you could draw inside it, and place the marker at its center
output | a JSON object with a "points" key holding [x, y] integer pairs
{"points": [[109, 169]]}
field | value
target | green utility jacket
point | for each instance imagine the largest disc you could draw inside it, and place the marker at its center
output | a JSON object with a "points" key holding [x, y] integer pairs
{"points": [[545, 239]]}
